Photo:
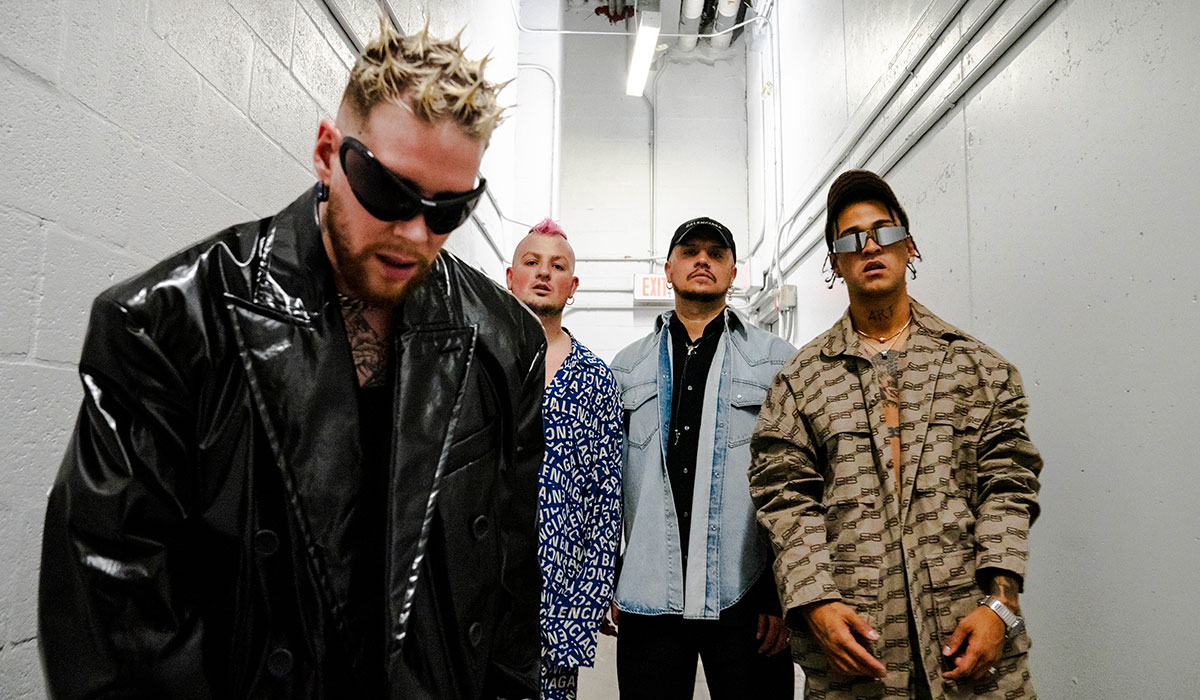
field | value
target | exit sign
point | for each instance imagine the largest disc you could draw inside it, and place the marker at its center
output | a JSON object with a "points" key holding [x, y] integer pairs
{"points": [[649, 287]]}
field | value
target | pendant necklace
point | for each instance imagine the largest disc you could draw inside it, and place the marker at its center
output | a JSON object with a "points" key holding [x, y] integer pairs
{"points": [[691, 348], [889, 340]]}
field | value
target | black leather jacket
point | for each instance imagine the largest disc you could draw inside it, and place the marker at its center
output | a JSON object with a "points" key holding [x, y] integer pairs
{"points": [[198, 541]]}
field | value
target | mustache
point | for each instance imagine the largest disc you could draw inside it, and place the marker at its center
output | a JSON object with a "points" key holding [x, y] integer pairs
{"points": [[398, 248]]}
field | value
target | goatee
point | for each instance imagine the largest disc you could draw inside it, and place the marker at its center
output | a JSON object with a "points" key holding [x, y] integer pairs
{"points": [[546, 310], [703, 297], [353, 267]]}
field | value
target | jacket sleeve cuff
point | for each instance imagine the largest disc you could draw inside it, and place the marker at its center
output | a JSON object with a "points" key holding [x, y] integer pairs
{"points": [[794, 617], [801, 589], [1000, 560]]}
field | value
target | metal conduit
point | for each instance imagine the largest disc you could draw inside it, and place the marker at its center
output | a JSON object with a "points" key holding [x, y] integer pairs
{"points": [[652, 103], [977, 71], [617, 260], [777, 119], [334, 14], [903, 77], [910, 104], [554, 155], [487, 236]]}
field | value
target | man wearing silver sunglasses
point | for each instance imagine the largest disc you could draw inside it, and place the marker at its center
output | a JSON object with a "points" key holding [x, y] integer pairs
{"points": [[307, 457], [892, 468]]}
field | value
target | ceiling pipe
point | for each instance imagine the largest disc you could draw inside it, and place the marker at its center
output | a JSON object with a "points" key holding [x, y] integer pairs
{"points": [[554, 128], [776, 204], [626, 259], [569, 32], [652, 103], [689, 24], [723, 25]]}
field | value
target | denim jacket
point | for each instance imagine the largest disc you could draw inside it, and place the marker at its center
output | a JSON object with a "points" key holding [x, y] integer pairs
{"points": [[736, 551]]}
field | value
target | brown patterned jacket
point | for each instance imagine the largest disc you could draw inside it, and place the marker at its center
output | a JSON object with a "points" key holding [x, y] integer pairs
{"points": [[970, 482]]}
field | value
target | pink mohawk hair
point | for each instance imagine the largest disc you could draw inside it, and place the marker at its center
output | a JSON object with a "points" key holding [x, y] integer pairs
{"points": [[549, 227]]}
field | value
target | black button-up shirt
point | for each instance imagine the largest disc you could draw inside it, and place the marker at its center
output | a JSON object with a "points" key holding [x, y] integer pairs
{"points": [[689, 373]]}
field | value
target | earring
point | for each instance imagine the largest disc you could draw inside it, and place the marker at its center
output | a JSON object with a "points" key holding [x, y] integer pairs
{"points": [[570, 300], [322, 191], [669, 285], [831, 275], [912, 266]]}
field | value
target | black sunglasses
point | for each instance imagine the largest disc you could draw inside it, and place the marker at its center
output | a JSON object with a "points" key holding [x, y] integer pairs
{"points": [[389, 197]]}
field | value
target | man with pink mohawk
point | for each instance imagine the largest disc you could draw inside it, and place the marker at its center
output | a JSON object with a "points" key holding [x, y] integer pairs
{"points": [[579, 499]]}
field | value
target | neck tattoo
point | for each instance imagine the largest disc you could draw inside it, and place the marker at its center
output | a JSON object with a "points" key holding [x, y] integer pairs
{"points": [[349, 303]]}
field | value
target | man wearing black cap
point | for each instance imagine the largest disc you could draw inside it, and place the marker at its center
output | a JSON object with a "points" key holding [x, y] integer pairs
{"points": [[695, 576], [892, 468]]}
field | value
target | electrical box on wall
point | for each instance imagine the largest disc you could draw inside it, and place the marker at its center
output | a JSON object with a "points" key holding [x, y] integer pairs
{"points": [[785, 297]]}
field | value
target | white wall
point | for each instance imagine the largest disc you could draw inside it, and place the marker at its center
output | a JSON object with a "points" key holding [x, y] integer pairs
{"points": [[132, 128], [606, 194], [1052, 205]]}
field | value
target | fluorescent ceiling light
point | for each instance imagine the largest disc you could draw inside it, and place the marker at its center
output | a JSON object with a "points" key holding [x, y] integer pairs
{"points": [[649, 25]]}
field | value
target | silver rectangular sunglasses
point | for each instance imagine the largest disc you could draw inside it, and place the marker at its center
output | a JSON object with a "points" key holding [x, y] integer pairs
{"points": [[854, 242]]}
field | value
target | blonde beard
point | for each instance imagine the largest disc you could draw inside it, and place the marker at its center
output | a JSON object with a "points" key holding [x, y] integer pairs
{"points": [[353, 268]]}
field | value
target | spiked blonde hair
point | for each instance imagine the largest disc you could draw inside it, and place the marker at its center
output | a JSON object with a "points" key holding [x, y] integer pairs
{"points": [[429, 76]]}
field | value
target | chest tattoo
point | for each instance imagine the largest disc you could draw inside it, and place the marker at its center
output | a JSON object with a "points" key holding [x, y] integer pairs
{"points": [[887, 369], [367, 347]]}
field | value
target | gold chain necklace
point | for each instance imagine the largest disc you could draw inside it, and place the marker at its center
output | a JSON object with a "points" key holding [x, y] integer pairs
{"points": [[885, 340]]}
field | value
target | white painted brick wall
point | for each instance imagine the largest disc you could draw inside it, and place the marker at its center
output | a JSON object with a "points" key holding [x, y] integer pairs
{"points": [[317, 65]]}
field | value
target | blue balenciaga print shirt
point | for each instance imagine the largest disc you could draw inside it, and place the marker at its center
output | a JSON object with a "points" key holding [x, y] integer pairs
{"points": [[579, 505]]}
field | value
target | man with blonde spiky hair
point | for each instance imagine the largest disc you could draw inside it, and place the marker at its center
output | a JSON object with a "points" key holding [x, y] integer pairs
{"points": [[306, 461]]}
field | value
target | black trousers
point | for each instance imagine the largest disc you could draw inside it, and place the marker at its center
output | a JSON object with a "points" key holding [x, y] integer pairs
{"points": [[656, 659]]}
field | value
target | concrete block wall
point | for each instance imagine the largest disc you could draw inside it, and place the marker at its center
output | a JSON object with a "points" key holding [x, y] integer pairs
{"points": [[132, 128], [1048, 202]]}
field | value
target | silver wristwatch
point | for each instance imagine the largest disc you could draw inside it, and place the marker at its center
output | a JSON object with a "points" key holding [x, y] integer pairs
{"points": [[1013, 623]]}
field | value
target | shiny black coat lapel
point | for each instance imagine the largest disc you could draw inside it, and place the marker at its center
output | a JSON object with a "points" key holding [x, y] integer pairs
{"points": [[434, 364], [294, 348]]}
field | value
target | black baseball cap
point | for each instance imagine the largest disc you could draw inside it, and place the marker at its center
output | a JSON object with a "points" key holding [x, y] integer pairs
{"points": [[852, 187], [707, 225]]}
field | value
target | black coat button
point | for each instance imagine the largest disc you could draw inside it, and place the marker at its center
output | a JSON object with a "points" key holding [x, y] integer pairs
{"points": [[280, 663], [479, 526], [475, 634], [266, 542]]}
